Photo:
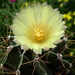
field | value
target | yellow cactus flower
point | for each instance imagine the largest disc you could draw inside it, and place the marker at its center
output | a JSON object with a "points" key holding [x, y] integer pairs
{"points": [[38, 27], [60, 0], [66, 0], [74, 13], [69, 17], [61, 5], [64, 16], [25, 4]]}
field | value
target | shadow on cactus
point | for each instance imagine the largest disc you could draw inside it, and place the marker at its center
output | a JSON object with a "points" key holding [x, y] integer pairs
{"points": [[38, 50]]}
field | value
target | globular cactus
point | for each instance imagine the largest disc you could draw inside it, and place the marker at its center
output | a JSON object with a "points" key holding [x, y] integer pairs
{"points": [[17, 61]]}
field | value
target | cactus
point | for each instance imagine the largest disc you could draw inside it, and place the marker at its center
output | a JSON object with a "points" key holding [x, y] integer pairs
{"points": [[18, 62]]}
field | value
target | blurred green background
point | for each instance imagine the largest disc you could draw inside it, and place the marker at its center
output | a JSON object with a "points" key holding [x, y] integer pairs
{"points": [[8, 8]]}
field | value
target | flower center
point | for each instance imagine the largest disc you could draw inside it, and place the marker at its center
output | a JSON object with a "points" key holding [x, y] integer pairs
{"points": [[39, 34]]}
